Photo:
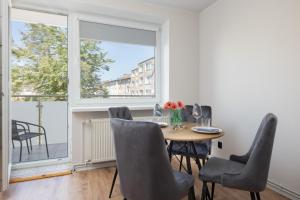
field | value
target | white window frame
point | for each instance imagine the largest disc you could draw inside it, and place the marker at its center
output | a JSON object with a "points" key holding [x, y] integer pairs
{"points": [[75, 84]]}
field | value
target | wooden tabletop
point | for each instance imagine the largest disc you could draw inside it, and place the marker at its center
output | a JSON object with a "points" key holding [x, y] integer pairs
{"points": [[187, 135]]}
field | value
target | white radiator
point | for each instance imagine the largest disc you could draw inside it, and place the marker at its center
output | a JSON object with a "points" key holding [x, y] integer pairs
{"points": [[97, 140]]}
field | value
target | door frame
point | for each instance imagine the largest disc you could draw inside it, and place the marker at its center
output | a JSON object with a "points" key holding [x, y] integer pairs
{"points": [[68, 159], [6, 127]]}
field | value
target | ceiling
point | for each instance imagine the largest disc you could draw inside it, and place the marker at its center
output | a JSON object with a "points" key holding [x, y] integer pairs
{"points": [[195, 5]]}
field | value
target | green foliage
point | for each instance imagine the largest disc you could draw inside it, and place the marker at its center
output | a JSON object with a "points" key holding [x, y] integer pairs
{"points": [[40, 64], [92, 61]]}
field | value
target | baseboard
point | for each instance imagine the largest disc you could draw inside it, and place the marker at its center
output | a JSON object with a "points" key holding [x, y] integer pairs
{"points": [[283, 191], [89, 166], [43, 176]]}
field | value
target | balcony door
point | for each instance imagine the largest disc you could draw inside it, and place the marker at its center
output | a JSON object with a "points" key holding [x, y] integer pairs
{"points": [[5, 153], [39, 82]]}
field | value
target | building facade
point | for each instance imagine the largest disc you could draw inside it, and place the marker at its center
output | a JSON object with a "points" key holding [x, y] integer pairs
{"points": [[140, 82]]}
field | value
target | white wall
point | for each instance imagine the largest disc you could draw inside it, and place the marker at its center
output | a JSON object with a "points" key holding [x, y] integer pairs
{"points": [[249, 66]]}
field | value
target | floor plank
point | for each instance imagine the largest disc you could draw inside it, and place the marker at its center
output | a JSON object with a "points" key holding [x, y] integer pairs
{"points": [[95, 184]]}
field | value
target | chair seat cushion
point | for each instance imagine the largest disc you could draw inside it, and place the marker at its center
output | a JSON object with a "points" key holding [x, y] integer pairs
{"points": [[213, 170], [202, 149], [184, 182]]}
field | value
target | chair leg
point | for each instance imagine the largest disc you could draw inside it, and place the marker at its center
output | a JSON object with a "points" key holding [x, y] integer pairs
{"points": [[196, 157], [46, 145], [113, 183], [252, 196], [257, 195], [20, 158], [203, 161], [181, 158], [27, 146], [203, 194], [170, 150], [30, 144], [212, 190], [191, 194], [207, 192]]}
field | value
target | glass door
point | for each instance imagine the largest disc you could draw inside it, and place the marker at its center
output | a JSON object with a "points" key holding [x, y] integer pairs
{"points": [[39, 82]]}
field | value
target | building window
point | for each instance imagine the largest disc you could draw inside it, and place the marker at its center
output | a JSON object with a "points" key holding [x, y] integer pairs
{"points": [[116, 54]]}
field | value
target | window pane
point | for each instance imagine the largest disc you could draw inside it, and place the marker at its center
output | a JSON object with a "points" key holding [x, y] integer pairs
{"points": [[114, 69]]}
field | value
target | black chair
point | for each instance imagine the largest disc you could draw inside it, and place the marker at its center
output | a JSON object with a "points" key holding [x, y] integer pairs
{"points": [[121, 113], [144, 169], [203, 149], [26, 134], [248, 172]]}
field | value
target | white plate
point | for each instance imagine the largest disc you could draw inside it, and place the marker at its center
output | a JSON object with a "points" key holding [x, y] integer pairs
{"points": [[162, 124], [208, 130]]}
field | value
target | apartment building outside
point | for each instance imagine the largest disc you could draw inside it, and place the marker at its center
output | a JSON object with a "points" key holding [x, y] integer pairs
{"points": [[140, 82]]}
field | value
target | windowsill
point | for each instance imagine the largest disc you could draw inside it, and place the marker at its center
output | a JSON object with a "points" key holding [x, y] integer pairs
{"points": [[77, 109]]}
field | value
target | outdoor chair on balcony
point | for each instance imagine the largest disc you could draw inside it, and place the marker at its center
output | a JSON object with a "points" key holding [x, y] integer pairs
{"points": [[22, 131]]}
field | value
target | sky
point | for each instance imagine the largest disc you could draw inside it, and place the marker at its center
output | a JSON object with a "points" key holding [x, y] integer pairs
{"points": [[126, 56]]}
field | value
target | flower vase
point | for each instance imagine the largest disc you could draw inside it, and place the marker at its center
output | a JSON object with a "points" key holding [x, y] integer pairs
{"points": [[175, 118]]}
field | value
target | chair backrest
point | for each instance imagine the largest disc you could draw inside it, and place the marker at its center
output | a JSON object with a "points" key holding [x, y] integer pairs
{"points": [[205, 111], [144, 168], [258, 164], [187, 114], [120, 112], [14, 129]]}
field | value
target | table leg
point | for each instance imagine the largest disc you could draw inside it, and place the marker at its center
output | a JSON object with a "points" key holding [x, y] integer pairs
{"points": [[189, 170], [170, 150], [196, 157]]}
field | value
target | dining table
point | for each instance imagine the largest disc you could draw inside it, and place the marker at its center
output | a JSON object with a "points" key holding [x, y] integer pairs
{"points": [[187, 135]]}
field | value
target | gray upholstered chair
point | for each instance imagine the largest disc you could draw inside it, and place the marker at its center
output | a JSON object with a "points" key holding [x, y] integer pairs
{"points": [[187, 114], [120, 113], [203, 149], [248, 172], [142, 160]]}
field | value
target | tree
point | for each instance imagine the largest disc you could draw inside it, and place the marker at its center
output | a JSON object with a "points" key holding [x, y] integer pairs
{"points": [[40, 63], [92, 61]]}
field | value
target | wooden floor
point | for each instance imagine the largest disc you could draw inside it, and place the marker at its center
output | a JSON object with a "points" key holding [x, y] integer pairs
{"points": [[95, 185]]}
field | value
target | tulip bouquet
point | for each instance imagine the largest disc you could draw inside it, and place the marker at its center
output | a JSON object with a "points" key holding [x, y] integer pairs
{"points": [[175, 112]]}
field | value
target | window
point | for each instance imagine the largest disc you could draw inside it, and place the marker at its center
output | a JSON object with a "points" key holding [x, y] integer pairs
{"points": [[109, 54], [149, 67]]}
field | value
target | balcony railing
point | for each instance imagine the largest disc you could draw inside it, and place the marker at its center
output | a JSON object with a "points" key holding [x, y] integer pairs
{"points": [[39, 109]]}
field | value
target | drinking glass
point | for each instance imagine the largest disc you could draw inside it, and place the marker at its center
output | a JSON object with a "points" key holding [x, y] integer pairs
{"points": [[205, 122], [157, 113], [196, 114]]}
